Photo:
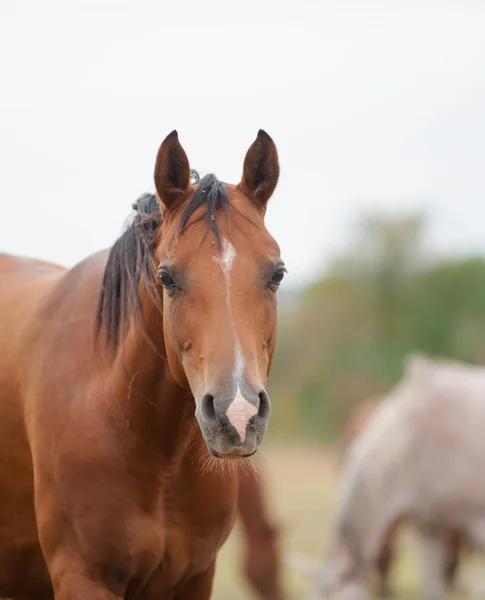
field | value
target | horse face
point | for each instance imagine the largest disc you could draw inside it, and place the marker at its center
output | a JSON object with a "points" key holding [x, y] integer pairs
{"points": [[220, 270]]}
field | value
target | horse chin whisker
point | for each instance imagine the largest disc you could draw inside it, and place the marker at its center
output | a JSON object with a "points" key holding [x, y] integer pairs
{"points": [[207, 463], [248, 464]]}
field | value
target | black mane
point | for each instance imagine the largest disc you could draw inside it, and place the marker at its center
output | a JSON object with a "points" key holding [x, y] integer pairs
{"points": [[133, 255]]}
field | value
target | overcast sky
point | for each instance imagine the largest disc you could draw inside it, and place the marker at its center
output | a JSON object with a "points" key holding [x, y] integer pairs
{"points": [[373, 106]]}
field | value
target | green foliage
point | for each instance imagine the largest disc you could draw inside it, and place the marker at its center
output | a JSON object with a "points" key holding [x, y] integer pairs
{"points": [[346, 338]]}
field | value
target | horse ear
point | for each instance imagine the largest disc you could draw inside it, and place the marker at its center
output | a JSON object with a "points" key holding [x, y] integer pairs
{"points": [[261, 169], [172, 171]]}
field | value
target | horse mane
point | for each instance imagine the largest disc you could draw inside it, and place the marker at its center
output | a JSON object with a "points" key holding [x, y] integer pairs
{"points": [[132, 257]]}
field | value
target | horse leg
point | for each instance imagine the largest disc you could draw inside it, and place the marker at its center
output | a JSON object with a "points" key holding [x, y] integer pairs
{"points": [[384, 563], [198, 587], [261, 566], [261, 553], [74, 577], [434, 552], [453, 560], [76, 585]]}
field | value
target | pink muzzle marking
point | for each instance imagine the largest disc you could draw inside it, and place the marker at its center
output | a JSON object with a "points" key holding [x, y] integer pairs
{"points": [[239, 413]]}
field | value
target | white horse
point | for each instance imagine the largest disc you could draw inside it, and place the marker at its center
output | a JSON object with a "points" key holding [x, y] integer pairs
{"points": [[421, 460]]}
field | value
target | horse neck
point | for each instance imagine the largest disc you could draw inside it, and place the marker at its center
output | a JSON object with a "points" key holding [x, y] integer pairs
{"points": [[370, 505], [157, 410]]}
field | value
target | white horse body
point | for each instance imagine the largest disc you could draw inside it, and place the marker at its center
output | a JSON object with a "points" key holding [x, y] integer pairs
{"points": [[421, 459]]}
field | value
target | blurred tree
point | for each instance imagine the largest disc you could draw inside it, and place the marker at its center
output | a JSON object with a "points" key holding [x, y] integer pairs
{"points": [[346, 336], [385, 252]]}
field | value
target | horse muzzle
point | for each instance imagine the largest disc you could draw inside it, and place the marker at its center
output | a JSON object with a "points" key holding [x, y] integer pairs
{"points": [[233, 424]]}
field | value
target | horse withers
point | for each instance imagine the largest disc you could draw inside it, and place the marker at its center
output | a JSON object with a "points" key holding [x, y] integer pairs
{"points": [[127, 385]]}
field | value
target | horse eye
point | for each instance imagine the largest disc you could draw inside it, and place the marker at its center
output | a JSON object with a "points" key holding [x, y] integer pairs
{"points": [[277, 277], [167, 280]]}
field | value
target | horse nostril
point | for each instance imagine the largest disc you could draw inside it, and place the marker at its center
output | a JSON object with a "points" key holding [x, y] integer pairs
{"points": [[264, 409], [208, 411]]}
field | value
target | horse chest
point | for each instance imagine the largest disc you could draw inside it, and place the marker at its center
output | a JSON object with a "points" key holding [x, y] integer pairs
{"points": [[199, 517], [193, 530]]}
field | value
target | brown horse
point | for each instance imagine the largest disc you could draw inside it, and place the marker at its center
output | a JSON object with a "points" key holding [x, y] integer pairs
{"points": [[106, 490], [359, 419], [261, 557]]}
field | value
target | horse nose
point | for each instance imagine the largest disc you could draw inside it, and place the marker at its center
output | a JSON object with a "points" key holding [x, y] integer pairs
{"points": [[208, 411], [233, 418], [264, 410], [243, 409]]}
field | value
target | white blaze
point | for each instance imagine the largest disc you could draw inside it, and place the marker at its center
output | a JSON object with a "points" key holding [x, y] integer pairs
{"points": [[226, 259], [240, 410]]}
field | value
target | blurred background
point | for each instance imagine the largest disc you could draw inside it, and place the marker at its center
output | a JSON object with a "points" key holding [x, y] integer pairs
{"points": [[377, 112]]}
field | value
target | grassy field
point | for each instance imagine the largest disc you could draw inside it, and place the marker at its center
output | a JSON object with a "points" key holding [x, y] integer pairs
{"points": [[301, 485]]}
